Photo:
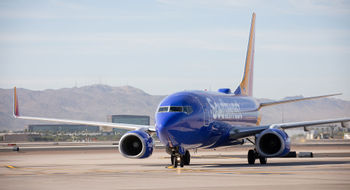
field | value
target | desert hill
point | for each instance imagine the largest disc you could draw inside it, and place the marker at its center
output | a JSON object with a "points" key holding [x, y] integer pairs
{"points": [[96, 102]]}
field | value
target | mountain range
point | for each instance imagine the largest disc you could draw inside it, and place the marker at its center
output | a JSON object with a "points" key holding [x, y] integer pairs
{"points": [[96, 102]]}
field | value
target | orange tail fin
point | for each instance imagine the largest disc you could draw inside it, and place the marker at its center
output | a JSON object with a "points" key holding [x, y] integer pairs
{"points": [[15, 103], [246, 86]]}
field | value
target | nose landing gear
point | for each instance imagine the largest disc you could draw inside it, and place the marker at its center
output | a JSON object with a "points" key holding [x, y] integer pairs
{"points": [[177, 159]]}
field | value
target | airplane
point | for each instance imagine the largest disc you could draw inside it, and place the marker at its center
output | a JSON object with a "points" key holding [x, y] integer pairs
{"points": [[197, 119]]}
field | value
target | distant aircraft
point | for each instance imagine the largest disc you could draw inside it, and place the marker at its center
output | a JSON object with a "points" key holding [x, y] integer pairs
{"points": [[201, 119]]}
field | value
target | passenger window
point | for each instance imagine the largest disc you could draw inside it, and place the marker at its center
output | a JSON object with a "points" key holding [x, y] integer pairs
{"points": [[163, 109]]}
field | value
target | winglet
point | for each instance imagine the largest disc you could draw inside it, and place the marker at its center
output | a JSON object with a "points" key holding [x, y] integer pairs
{"points": [[246, 86], [15, 103]]}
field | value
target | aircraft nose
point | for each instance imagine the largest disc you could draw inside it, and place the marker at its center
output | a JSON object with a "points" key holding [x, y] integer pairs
{"points": [[166, 125]]}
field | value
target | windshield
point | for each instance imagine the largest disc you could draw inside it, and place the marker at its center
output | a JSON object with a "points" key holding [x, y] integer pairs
{"points": [[163, 109], [183, 109], [176, 109]]}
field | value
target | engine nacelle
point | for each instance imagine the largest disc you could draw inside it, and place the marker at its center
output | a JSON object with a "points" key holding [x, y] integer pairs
{"points": [[136, 144], [273, 143]]}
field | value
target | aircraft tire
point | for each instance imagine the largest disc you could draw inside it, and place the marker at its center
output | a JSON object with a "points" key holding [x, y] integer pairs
{"points": [[172, 158], [263, 160], [187, 158], [251, 157], [181, 163], [175, 162]]}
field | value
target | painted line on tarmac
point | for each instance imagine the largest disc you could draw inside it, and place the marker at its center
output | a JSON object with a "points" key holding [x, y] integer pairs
{"points": [[179, 170], [10, 166]]}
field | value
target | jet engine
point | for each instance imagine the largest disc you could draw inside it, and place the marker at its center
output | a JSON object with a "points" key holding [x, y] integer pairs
{"points": [[273, 143], [136, 144]]}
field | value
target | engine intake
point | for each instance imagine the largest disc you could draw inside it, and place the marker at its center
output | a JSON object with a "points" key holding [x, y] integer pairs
{"points": [[136, 144], [273, 143]]}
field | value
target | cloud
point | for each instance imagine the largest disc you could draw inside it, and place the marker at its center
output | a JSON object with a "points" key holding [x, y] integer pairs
{"points": [[210, 3], [321, 7], [223, 40], [116, 43], [68, 10], [330, 41], [299, 7], [72, 5], [305, 48]]}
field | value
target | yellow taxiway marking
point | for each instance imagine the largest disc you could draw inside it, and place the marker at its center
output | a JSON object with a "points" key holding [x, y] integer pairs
{"points": [[9, 166]]}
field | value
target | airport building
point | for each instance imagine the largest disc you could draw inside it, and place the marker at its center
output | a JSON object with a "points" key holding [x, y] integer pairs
{"points": [[327, 132], [64, 128], [128, 119], [14, 137]]}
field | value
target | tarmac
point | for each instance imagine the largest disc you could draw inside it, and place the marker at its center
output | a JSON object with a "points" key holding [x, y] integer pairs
{"points": [[215, 169]]}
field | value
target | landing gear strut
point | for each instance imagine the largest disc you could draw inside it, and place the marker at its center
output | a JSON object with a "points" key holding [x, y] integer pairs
{"points": [[178, 159], [253, 155]]}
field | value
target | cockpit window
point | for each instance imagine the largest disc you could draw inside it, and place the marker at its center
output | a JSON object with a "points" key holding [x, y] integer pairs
{"points": [[184, 109], [163, 109], [176, 109], [188, 109]]}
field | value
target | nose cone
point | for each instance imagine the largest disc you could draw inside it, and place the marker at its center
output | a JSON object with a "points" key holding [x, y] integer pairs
{"points": [[173, 119], [167, 124]]}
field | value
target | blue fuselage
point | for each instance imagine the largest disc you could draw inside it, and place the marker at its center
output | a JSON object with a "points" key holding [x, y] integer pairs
{"points": [[201, 119]]}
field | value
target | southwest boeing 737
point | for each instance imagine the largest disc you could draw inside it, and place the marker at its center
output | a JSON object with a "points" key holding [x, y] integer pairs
{"points": [[202, 119]]}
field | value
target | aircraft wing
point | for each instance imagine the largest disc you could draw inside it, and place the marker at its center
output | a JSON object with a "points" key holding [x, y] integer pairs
{"points": [[242, 132], [294, 100], [309, 123], [94, 123]]}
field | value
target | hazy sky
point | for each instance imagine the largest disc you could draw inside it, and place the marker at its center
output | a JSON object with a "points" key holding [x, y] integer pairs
{"points": [[164, 46]]}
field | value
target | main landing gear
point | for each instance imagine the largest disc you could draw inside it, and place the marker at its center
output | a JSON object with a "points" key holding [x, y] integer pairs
{"points": [[179, 160], [253, 155]]}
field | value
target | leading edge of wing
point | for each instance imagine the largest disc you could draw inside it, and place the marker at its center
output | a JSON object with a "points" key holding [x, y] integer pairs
{"points": [[310, 123], [294, 100], [94, 123]]}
